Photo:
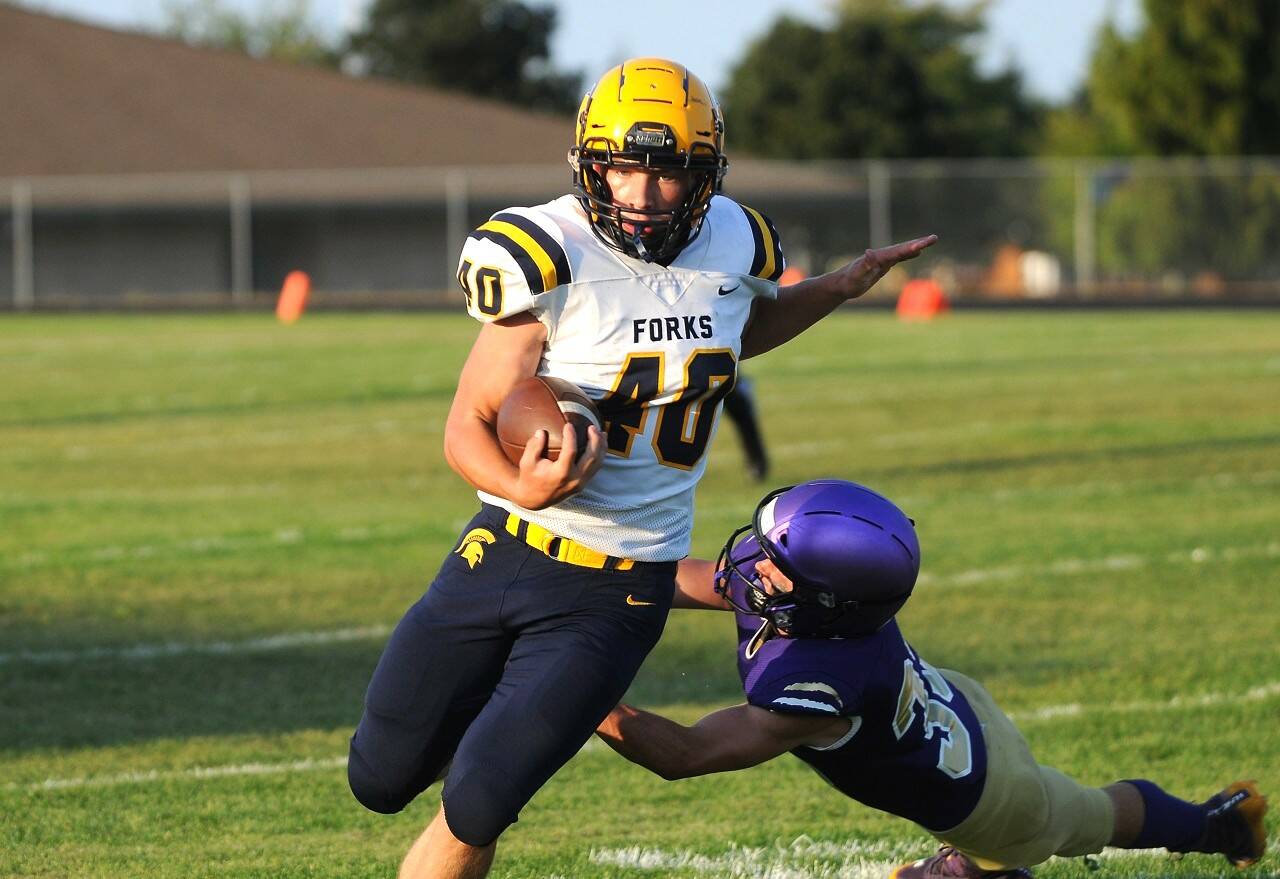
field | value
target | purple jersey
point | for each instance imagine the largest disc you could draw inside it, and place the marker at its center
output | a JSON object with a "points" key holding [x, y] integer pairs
{"points": [[914, 747]]}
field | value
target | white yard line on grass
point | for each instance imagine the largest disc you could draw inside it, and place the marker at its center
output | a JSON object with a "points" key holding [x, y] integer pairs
{"points": [[225, 648], [806, 859], [201, 546], [1177, 703], [635, 855], [195, 772], [1064, 567], [221, 543], [1061, 567], [1225, 479], [802, 859], [230, 439]]}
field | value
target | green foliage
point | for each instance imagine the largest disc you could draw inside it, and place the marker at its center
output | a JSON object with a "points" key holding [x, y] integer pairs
{"points": [[282, 30], [1096, 495], [1202, 77], [493, 48], [887, 79], [1182, 224], [1198, 78]]}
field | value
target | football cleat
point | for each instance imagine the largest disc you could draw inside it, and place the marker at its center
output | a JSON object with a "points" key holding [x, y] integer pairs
{"points": [[951, 864], [1233, 824]]}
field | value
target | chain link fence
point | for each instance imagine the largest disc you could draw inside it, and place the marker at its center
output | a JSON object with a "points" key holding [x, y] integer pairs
{"points": [[1037, 230]]}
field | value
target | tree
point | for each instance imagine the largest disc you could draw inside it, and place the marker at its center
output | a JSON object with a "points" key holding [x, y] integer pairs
{"points": [[885, 80], [1200, 77], [282, 30], [494, 48]]}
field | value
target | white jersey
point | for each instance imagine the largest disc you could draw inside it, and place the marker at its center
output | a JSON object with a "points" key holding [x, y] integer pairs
{"points": [[656, 348]]}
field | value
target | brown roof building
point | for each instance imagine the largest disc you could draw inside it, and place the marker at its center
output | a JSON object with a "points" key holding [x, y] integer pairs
{"points": [[79, 99], [134, 167]]}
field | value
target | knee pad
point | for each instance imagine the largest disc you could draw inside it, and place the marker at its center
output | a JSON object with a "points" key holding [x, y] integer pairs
{"points": [[479, 806], [369, 788]]}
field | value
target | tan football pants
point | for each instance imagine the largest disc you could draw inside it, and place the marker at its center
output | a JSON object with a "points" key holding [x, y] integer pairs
{"points": [[1027, 812]]}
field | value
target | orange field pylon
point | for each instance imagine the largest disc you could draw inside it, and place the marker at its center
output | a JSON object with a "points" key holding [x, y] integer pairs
{"points": [[791, 275], [922, 299], [293, 297]]}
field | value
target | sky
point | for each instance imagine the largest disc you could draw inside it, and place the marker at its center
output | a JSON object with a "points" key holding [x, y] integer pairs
{"points": [[1048, 40]]}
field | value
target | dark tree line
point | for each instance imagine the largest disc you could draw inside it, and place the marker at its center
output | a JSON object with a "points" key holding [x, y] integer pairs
{"points": [[494, 48], [497, 49], [885, 78]]}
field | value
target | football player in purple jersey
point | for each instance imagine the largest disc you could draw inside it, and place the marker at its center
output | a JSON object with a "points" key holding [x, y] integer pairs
{"points": [[815, 581]]}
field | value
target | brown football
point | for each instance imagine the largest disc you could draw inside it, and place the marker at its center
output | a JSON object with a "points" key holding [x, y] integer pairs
{"points": [[544, 403]]}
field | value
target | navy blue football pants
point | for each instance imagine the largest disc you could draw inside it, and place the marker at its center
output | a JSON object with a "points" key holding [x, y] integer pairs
{"points": [[505, 666]]}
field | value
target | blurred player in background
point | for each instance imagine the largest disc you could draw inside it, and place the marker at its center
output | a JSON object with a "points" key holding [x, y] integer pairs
{"points": [[644, 288], [740, 406], [815, 581]]}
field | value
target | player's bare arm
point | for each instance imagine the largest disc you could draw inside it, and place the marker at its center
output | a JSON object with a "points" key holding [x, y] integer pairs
{"points": [[695, 586], [504, 353], [801, 305], [725, 740]]}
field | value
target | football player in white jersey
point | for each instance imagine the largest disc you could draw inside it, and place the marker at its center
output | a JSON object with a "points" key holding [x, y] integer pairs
{"points": [[644, 288]]}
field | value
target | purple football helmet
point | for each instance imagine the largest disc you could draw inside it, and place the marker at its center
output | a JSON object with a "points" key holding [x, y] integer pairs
{"points": [[851, 554]]}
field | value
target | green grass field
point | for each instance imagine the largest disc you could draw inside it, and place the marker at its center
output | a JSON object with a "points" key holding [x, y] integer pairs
{"points": [[208, 524]]}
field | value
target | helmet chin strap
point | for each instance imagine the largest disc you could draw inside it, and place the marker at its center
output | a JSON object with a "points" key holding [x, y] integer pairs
{"points": [[763, 634], [641, 249]]}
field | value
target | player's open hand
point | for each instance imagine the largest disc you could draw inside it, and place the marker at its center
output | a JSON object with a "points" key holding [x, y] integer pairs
{"points": [[862, 274], [544, 482]]}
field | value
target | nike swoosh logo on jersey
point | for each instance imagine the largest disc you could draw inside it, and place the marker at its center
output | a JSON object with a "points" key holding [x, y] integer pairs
{"points": [[634, 602], [723, 292]]}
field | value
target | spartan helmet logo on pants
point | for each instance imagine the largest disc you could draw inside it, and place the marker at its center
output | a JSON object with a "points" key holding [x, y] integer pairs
{"points": [[472, 546]]}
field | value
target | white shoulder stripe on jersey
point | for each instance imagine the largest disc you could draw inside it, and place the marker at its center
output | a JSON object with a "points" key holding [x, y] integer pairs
{"points": [[855, 724], [805, 703], [816, 687], [568, 406]]}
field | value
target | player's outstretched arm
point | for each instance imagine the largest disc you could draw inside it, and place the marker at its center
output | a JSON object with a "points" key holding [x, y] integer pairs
{"points": [[504, 353], [732, 738], [802, 305], [695, 586]]}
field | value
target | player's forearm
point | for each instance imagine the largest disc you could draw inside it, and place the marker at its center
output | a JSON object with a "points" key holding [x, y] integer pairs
{"points": [[472, 450], [695, 586], [798, 307], [660, 745]]}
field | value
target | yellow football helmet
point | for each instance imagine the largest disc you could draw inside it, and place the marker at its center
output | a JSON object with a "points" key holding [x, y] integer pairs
{"points": [[650, 113]]}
